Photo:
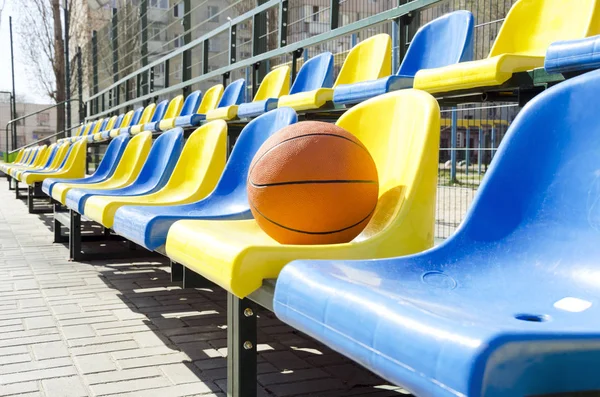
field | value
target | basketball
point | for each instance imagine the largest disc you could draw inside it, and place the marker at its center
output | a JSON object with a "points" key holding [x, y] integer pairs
{"points": [[312, 183]]}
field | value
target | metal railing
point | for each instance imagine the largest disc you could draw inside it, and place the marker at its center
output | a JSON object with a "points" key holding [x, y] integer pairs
{"points": [[33, 114]]}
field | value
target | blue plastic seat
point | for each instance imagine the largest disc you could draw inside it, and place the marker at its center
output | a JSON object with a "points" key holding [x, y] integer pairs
{"points": [[104, 127], [446, 40], [190, 106], [148, 226], [159, 113], [154, 174], [510, 304], [134, 120], [573, 55], [105, 169]]}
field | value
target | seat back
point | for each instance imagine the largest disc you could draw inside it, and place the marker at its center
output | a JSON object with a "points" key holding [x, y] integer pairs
{"points": [[316, 73], [234, 93], [112, 156], [545, 173], [191, 104], [110, 123], [233, 181], [202, 160], [404, 146], [371, 59], [145, 116], [88, 128], [133, 158], [116, 123], [126, 120], [174, 108], [275, 84], [135, 117], [76, 156], [444, 41], [60, 155], [41, 157], [19, 156], [161, 159], [532, 25], [159, 111], [52, 149], [211, 99]]}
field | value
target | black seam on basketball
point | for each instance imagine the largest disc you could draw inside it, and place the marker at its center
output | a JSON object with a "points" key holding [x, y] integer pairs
{"points": [[364, 181], [315, 233], [298, 137]]}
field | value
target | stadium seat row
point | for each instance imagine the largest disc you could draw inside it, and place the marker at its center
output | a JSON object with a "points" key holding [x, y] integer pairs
{"points": [[508, 306]]}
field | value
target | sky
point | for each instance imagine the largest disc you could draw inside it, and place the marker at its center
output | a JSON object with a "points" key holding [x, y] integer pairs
{"points": [[25, 85]]}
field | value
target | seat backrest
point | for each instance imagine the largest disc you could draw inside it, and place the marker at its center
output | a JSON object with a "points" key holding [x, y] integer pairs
{"points": [[135, 117], [52, 149], [545, 176], [275, 84], [80, 130], [41, 156], [159, 111], [370, 59], [202, 160], [110, 124], [112, 156], [316, 73], [191, 104], [211, 99], [133, 157], [116, 124], [60, 155], [445, 41], [146, 115], [88, 128], [161, 160], [234, 93], [174, 108], [76, 154], [126, 120], [254, 134], [19, 156], [404, 145], [532, 25]]}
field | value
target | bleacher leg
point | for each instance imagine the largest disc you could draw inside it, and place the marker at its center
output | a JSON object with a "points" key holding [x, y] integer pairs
{"points": [[191, 279], [30, 199], [58, 237], [17, 196], [176, 272], [241, 347], [75, 236]]}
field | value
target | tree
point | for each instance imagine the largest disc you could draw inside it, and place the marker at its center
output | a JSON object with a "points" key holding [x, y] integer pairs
{"points": [[41, 39]]}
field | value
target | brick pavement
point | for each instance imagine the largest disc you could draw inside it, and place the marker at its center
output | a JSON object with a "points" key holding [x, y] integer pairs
{"points": [[108, 328]]}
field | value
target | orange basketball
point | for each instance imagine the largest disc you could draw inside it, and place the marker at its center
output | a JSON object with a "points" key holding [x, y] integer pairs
{"points": [[312, 183]]}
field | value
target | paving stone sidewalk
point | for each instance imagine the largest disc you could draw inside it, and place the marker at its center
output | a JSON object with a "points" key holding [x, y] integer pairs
{"points": [[121, 328]]}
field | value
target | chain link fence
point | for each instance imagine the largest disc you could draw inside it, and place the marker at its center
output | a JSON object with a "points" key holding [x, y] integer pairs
{"points": [[141, 31]]}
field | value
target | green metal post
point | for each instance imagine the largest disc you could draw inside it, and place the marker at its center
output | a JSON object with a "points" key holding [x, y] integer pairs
{"points": [[144, 44], [334, 14], [187, 38]]}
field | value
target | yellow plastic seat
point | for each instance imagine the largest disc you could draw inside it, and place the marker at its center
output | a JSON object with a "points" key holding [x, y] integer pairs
{"points": [[96, 132], [195, 175], [41, 164], [371, 59], [529, 28], [127, 170], [124, 122], [275, 84], [41, 157], [17, 160], [146, 116], [402, 131], [209, 102], [74, 166], [82, 132]]}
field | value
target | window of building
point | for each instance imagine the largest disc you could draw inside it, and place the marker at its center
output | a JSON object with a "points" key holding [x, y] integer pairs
{"points": [[156, 33], [315, 13], [178, 41], [213, 13], [164, 4], [213, 45], [178, 10], [43, 118]]}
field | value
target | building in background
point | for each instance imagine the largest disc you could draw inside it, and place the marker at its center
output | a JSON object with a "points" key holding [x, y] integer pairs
{"points": [[36, 127]]}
